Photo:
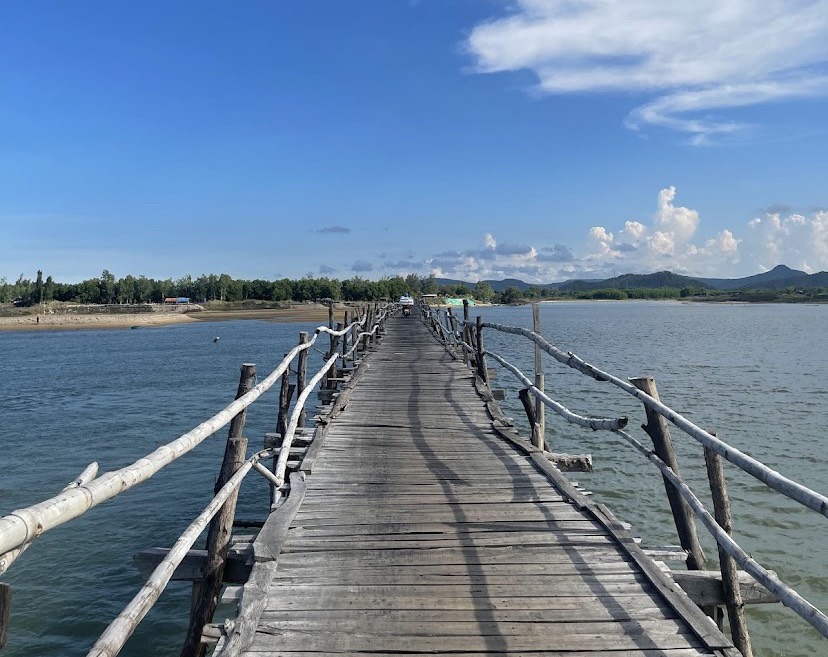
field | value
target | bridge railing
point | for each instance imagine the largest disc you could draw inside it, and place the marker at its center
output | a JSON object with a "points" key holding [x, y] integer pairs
{"points": [[20, 528], [467, 337]]}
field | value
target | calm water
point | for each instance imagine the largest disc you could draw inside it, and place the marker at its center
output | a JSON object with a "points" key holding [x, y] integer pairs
{"points": [[756, 374]]}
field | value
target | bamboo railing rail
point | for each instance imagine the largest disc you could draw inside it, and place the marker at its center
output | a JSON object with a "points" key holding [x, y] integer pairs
{"points": [[21, 527], [788, 487], [791, 489], [119, 630], [788, 596]]}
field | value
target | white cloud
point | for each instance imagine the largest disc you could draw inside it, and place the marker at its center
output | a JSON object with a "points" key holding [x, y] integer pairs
{"points": [[694, 57], [678, 222], [673, 238], [665, 244], [796, 240]]}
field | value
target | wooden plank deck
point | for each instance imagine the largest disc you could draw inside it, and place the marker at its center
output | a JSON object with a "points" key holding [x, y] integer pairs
{"points": [[422, 531]]}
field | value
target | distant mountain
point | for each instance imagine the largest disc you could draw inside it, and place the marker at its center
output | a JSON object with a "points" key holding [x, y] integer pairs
{"points": [[820, 279], [633, 281], [777, 278], [766, 280]]}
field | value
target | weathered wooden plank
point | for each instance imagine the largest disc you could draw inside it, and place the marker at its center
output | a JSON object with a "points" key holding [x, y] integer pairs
{"points": [[635, 652], [638, 611], [401, 528], [574, 588], [348, 641], [559, 582]]}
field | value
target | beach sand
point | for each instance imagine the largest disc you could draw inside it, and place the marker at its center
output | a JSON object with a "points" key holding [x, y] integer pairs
{"points": [[313, 315]]}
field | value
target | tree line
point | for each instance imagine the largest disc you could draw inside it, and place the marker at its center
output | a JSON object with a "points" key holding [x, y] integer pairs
{"points": [[222, 287], [106, 289]]}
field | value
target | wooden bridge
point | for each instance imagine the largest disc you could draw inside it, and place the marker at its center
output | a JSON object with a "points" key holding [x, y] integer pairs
{"points": [[421, 530], [414, 519]]}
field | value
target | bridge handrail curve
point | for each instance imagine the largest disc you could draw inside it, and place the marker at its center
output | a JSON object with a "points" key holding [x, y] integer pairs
{"points": [[785, 593], [771, 478], [21, 527]]}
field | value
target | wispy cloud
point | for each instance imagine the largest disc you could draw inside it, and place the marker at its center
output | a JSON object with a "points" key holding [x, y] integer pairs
{"points": [[327, 270], [690, 57], [333, 229]]}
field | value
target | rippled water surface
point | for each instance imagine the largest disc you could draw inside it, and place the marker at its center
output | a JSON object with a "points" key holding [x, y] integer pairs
{"points": [[758, 375]]}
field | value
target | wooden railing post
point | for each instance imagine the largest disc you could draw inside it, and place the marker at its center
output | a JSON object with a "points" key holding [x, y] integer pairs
{"points": [[334, 349], [285, 394], [467, 329], [345, 339], [530, 405], [301, 374], [659, 432], [730, 577], [453, 323], [5, 607], [540, 409], [481, 360], [206, 592]]}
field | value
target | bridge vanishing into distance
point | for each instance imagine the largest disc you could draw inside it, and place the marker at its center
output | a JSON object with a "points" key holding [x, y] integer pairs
{"points": [[412, 518]]}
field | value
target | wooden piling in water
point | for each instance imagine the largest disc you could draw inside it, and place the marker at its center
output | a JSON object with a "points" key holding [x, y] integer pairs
{"points": [[5, 608], [301, 373], [540, 409], [730, 574], [659, 432], [206, 592], [481, 359]]}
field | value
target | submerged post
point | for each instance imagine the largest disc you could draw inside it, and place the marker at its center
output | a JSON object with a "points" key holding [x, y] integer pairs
{"points": [[301, 374], [206, 592], [540, 409], [730, 577], [659, 432]]}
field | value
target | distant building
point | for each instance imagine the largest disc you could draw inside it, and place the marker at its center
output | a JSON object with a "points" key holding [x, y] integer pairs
{"points": [[172, 300]]}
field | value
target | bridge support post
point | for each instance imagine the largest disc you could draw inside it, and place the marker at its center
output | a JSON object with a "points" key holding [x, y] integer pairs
{"points": [[206, 592], [467, 330], [481, 359], [5, 607], [540, 409], [730, 576], [659, 432], [301, 374]]}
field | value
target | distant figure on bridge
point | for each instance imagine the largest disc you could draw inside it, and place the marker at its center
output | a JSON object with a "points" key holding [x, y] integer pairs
{"points": [[406, 302]]}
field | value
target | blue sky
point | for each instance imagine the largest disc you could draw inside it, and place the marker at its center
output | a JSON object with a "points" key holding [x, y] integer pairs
{"points": [[539, 139]]}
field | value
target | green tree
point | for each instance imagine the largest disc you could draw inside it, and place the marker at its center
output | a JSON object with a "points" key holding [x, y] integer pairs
{"points": [[37, 297], [48, 289], [483, 292], [107, 287], [510, 295]]}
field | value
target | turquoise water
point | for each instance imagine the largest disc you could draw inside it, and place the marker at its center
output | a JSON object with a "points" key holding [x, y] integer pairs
{"points": [[756, 374]]}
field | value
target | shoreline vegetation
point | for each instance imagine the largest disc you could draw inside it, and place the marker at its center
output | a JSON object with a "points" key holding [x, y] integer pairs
{"points": [[107, 302]]}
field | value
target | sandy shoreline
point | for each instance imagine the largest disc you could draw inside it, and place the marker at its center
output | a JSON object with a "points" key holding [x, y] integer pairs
{"points": [[312, 315]]}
